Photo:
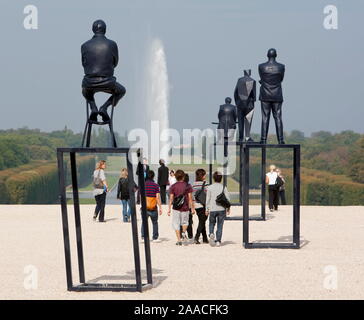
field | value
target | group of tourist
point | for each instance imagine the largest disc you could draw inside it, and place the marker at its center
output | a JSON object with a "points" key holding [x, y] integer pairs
{"points": [[207, 202]]}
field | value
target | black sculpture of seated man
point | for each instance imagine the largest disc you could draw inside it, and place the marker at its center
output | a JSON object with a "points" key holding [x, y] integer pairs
{"points": [[99, 58]]}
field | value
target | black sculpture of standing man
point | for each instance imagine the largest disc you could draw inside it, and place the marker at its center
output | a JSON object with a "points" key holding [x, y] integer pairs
{"points": [[227, 120], [99, 58], [245, 96], [271, 97]]}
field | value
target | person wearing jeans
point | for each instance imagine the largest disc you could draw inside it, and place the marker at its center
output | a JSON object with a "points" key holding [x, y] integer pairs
{"points": [[216, 213], [153, 199], [123, 194], [153, 215]]}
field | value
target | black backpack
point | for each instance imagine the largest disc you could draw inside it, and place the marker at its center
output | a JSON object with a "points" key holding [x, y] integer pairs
{"points": [[179, 201], [200, 195], [222, 201]]}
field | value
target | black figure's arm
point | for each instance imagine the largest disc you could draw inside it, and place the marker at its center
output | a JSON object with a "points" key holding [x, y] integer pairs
{"points": [[116, 55], [83, 58], [284, 69]]}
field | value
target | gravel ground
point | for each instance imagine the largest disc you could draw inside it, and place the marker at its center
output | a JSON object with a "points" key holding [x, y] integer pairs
{"points": [[332, 245]]}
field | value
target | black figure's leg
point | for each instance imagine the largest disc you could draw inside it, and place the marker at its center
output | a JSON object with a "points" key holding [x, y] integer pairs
{"points": [[277, 115], [266, 108], [116, 94], [89, 93], [240, 123], [248, 124]]}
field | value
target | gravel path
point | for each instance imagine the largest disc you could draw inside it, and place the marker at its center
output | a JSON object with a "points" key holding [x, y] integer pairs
{"points": [[332, 238]]}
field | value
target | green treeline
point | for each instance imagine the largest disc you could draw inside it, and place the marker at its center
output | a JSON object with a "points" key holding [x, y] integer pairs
{"points": [[21, 146], [37, 182]]}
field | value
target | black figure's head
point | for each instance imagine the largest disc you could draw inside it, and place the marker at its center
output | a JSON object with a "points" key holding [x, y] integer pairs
{"points": [[99, 27], [272, 53], [227, 100], [247, 73]]}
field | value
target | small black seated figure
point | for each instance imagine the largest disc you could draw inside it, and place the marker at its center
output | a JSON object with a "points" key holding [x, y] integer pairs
{"points": [[271, 97], [99, 58], [245, 96], [227, 120]]}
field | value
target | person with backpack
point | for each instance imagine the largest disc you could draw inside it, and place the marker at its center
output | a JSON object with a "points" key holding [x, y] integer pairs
{"points": [[217, 206], [199, 198], [154, 204], [180, 199], [273, 187], [190, 218], [123, 194]]}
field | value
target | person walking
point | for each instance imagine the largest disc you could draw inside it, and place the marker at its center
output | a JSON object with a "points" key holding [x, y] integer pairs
{"points": [[123, 194], [100, 190], [199, 199], [271, 179], [145, 175], [154, 205], [190, 218], [163, 175], [282, 189], [217, 208], [180, 199]]}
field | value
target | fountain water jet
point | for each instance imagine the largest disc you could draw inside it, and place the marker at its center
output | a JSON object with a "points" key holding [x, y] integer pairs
{"points": [[156, 98]]}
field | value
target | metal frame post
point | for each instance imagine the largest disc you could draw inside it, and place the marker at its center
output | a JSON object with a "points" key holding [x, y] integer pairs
{"points": [[65, 229], [296, 195], [143, 202], [245, 195], [262, 179], [76, 206]]}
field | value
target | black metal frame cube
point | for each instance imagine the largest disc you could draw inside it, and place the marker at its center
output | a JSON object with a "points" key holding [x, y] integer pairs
{"points": [[296, 194], [85, 286]]}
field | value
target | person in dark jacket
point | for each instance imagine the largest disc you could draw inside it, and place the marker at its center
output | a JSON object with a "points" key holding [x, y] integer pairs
{"points": [[99, 58], [163, 175], [227, 120], [271, 97], [145, 173], [123, 194]]}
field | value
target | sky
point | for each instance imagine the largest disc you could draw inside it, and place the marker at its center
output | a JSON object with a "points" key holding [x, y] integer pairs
{"points": [[208, 44]]}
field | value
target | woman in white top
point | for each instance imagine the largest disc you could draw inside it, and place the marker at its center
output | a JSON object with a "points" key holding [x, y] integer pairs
{"points": [[100, 189], [171, 179], [270, 179]]}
